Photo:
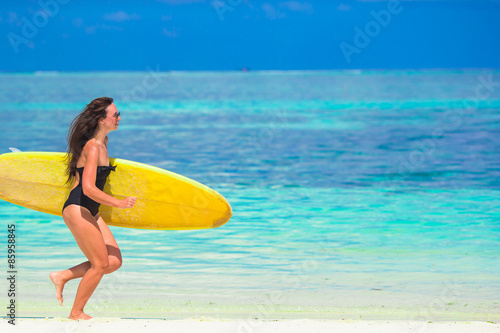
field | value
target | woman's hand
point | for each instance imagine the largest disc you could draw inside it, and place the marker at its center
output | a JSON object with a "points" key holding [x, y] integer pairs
{"points": [[128, 202]]}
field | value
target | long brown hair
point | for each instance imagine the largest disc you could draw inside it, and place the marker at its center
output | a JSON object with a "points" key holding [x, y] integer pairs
{"points": [[82, 129]]}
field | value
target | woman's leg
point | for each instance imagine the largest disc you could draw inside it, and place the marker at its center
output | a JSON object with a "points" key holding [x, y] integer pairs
{"points": [[114, 253], [114, 258], [88, 236]]}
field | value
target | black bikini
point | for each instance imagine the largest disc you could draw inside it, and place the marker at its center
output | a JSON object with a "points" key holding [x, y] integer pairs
{"points": [[76, 197]]}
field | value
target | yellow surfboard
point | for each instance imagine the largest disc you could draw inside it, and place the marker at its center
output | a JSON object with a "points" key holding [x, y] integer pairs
{"points": [[165, 200]]}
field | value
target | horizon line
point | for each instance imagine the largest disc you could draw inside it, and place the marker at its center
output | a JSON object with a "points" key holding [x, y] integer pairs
{"points": [[243, 70]]}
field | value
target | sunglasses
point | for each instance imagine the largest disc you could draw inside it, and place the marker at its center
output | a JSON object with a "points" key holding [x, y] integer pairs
{"points": [[116, 115]]}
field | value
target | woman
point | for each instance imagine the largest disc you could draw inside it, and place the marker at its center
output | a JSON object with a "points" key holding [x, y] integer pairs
{"points": [[89, 166]]}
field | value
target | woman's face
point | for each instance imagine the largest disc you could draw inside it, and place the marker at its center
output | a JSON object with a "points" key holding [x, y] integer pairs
{"points": [[112, 119]]}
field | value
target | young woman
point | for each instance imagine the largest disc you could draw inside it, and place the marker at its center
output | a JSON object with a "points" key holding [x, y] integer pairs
{"points": [[89, 166]]}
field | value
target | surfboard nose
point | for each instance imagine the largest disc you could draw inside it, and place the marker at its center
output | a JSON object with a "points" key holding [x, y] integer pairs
{"points": [[227, 215]]}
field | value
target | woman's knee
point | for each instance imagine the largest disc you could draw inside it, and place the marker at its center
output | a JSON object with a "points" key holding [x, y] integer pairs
{"points": [[100, 265], [114, 263], [114, 257]]}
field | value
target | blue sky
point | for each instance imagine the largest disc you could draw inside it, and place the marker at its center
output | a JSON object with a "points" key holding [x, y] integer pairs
{"points": [[260, 35]]}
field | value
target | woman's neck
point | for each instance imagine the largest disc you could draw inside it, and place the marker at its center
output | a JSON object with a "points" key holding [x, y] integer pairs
{"points": [[100, 137]]}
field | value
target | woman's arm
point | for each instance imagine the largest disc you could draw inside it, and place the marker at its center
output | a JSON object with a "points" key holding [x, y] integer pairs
{"points": [[89, 177]]}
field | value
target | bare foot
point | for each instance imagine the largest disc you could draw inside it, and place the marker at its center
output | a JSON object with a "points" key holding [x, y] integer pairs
{"points": [[78, 316], [59, 283]]}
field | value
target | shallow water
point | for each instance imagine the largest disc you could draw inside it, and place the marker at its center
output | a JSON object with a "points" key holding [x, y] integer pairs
{"points": [[356, 189]]}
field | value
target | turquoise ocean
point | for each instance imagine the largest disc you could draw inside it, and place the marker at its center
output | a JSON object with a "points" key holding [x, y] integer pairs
{"points": [[355, 194]]}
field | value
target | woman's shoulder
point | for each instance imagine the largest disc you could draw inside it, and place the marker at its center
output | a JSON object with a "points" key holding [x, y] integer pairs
{"points": [[91, 148], [92, 144]]}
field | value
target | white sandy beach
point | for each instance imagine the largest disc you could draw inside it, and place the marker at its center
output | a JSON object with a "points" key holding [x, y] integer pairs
{"points": [[211, 325]]}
